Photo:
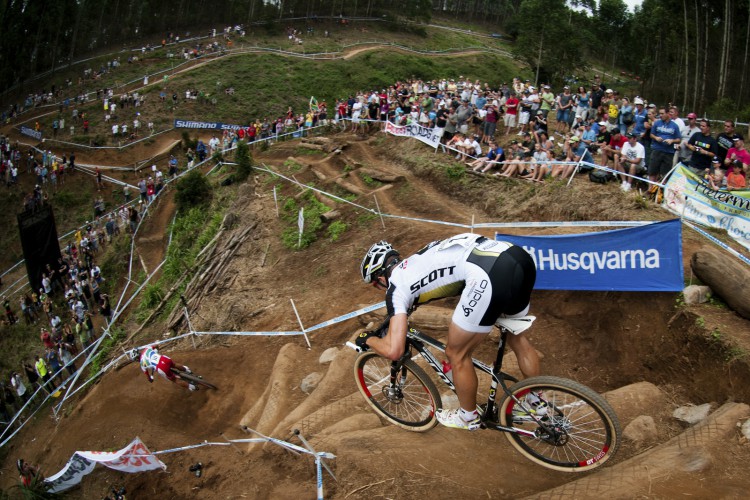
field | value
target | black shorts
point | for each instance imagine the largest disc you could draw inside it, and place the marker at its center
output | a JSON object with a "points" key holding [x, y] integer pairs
{"points": [[660, 163], [512, 275]]}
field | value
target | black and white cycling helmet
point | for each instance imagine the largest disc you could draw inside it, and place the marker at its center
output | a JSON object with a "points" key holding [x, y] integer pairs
{"points": [[374, 262], [134, 354]]}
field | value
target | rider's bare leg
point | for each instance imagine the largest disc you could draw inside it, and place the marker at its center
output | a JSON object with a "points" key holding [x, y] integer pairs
{"points": [[528, 359], [461, 344]]}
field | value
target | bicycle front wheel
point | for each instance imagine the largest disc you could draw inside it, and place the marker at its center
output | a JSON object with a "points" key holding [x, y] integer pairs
{"points": [[576, 431], [410, 403]]}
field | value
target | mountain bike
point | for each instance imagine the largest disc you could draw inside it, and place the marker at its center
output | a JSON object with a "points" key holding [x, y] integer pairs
{"points": [[193, 378], [574, 430]]}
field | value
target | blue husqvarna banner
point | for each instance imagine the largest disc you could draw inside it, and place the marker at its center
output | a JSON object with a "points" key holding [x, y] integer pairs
{"points": [[645, 259]]}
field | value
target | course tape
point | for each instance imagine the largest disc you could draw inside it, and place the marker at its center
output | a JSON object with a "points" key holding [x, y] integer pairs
{"points": [[250, 334], [717, 241]]}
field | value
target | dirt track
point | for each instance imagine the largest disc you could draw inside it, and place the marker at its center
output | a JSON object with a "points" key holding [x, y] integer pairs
{"points": [[259, 378]]}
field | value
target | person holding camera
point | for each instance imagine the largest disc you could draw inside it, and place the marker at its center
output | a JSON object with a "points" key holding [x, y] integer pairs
{"points": [[704, 148], [737, 156]]}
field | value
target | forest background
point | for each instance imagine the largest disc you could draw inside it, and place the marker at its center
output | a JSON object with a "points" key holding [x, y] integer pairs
{"points": [[689, 52]]}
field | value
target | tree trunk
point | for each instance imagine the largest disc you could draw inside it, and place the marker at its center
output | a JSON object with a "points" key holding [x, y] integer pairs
{"points": [[744, 59], [725, 42], [539, 59], [687, 58], [705, 62], [697, 52]]}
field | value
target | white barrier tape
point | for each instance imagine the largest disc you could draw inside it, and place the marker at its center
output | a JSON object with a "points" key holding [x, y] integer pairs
{"points": [[132, 143], [617, 172], [717, 241], [582, 223], [251, 334], [347, 316]]}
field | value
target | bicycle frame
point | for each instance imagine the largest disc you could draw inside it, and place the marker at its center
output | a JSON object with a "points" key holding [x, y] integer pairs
{"points": [[419, 341]]}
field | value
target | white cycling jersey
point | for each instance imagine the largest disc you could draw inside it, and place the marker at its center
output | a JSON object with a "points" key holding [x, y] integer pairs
{"points": [[460, 265]]}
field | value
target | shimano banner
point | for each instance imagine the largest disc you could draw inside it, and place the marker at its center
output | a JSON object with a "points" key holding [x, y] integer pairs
{"points": [[429, 136], [206, 125], [31, 132], [691, 196], [645, 259]]}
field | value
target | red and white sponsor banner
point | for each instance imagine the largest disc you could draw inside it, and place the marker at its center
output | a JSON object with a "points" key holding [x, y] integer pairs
{"points": [[429, 136], [133, 458]]}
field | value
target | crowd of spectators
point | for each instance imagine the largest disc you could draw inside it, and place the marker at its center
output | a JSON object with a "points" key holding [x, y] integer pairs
{"points": [[506, 129]]}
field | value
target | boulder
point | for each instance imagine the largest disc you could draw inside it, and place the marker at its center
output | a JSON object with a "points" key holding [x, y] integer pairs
{"points": [[641, 430], [328, 355], [726, 275], [310, 382], [692, 414], [696, 294], [746, 429]]}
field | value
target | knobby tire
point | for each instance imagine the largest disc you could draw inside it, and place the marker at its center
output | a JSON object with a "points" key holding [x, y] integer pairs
{"points": [[585, 427], [192, 377], [411, 406]]}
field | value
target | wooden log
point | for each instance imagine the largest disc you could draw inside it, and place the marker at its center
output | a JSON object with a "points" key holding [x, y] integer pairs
{"points": [[727, 277], [380, 176], [320, 175], [350, 187], [330, 216]]}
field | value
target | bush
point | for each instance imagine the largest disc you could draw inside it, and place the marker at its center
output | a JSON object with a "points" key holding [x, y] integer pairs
{"points": [[244, 161], [187, 142], [336, 229], [192, 190]]}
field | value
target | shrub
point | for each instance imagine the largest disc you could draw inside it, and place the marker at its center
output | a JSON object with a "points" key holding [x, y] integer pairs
{"points": [[336, 229], [244, 161], [192, 190], [187, 142]]}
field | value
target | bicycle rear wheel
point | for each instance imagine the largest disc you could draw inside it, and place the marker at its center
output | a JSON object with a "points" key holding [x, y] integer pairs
{"points": [[578, 431], [195, 379], [411, 403]]}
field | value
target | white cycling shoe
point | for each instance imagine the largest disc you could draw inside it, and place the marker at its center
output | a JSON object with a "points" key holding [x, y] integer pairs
{"points": [[452, 419]]}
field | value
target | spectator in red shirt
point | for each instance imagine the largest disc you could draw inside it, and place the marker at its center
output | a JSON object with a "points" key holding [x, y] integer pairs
{"points": [[612, 150], [511, 112], [737, 152], [47, 339]]}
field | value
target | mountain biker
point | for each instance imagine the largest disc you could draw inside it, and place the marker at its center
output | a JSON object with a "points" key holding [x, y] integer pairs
{"points": [[151, 361], [493, 278]]}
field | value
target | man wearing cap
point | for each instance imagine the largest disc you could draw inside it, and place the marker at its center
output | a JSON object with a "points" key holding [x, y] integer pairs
{"points": [[511, 112], [548, 100], [612, 107], [691, 127], [640, 116], [575, 151], [631, 161], [726, 139], [665, 134], [738, 153]]}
